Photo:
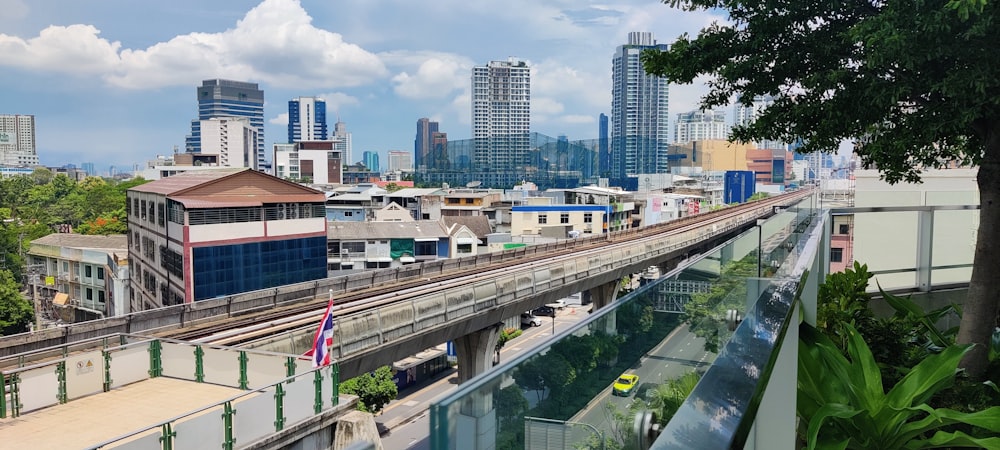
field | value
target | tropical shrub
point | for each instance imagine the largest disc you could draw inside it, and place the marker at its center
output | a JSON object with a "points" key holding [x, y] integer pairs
{"points": [[842, 403]]}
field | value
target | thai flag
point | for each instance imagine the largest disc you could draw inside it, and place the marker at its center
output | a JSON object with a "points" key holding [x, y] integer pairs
{"points": [[323, 341]]}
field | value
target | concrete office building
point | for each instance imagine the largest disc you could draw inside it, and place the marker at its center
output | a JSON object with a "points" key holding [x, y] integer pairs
{"points": [[400, 161], [233, 139], [315, 162], [202, 235], [227, 98]]}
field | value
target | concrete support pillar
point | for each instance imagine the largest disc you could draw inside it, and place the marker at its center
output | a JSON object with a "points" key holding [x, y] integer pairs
{"points": [[355, 427], [602, 296], [476, 425], [475, 352]]}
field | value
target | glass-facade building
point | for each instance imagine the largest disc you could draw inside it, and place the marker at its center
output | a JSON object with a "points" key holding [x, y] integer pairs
{"points": [[548, 162], [231, 269], [227, 98]]}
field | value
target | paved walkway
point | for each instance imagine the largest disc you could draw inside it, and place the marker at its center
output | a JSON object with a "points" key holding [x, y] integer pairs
{"points": [[97, 418]]}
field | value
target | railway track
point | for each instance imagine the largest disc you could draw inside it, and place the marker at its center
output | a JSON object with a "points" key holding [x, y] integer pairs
{"points": [[261, 324]]}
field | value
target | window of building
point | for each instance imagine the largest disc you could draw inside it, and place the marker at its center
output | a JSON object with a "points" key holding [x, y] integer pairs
{"points": [[845, 228], [88, 271], [142, 210], [348, 213], [100, 297], [836, 255], [90, 294], [100, 273], [464, 248], [564, 218], [425, 248], [588, 217], [543, 219], [161, 214]]}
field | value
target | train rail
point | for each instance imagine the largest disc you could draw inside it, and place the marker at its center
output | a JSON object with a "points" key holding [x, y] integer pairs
{"points": [[235, 331]]}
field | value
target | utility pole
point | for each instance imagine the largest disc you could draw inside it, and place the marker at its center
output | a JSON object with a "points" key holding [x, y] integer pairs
{"points": [[33, 273]]}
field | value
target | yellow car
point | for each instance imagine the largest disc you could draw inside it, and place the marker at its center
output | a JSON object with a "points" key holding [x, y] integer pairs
{"points": [[625, 384]]}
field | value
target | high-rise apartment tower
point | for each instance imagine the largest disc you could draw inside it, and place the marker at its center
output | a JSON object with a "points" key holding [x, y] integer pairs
{"points": [[700, 126], [17, 140], [307, 119], [501, 115], [639, 115]]}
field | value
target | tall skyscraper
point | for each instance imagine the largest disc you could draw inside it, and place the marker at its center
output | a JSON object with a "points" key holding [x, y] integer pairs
{"points": [[501, 115], [343, 141], [422, 143], [17, 140], [370, 160], [307, 119], [748, 113], [700, 125], [227, 98], [232, 139], [639, 113]]}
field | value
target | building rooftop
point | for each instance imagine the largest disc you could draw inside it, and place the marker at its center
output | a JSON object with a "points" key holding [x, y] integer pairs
{"points": [[414, 192], [84, 241], [480, 225], [386, 230]]}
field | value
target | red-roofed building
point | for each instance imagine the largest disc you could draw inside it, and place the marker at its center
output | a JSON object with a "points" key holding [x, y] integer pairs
{"points": [[201, 235]]}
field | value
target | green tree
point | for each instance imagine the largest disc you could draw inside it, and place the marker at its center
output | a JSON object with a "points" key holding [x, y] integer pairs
{"points": [[908, 81], [705, 313], [758, 196], [374, 389], [392, 187], [16, 313]]}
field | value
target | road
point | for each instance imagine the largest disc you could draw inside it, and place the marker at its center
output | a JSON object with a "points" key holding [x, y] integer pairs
{"points": [[407, 417], [679, 353]]}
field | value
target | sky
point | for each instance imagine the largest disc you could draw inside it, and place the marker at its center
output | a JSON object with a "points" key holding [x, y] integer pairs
{"points": [[113, 82]]}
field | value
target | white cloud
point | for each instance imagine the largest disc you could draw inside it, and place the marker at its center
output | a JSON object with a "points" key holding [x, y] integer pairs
{"points": [[71, 49], [577, 119], [551, 78], [280, 119], [335, 101], [428, 75], [546, 106], [274, 43]]}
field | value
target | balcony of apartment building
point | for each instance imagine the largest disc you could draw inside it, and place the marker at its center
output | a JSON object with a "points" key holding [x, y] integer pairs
{"points": [[757, 289]]}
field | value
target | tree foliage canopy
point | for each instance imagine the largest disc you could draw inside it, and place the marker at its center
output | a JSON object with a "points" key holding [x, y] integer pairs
{"points": [[911, 80], [913, 84], [374, 390], [15, 310]]}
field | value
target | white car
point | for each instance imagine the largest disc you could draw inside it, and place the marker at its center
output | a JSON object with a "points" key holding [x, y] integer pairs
{"points": [[558, 304], [530, 320]]}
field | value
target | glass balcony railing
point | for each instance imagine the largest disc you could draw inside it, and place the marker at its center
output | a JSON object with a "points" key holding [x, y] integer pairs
{"points": [[619, 368], [726, 321]]}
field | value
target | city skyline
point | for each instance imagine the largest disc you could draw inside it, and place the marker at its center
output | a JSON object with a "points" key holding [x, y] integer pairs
{"points": [[110, 84]]}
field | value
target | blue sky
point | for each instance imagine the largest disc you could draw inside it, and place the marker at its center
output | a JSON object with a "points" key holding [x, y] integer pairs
{"points": [[113, 81]]}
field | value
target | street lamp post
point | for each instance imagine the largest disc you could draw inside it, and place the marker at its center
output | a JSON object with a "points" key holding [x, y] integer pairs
{"points": [[760, 246]]}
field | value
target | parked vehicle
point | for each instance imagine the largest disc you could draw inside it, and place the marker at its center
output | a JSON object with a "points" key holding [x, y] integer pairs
{"points": [[530, 320], [558, 304], [546, 311]]}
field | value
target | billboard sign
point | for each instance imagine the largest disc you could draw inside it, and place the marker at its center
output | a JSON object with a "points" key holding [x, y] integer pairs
{"points": [[7, 137]]}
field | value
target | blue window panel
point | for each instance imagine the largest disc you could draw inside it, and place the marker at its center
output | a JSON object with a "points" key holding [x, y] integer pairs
{"points": [[232, 269]]}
